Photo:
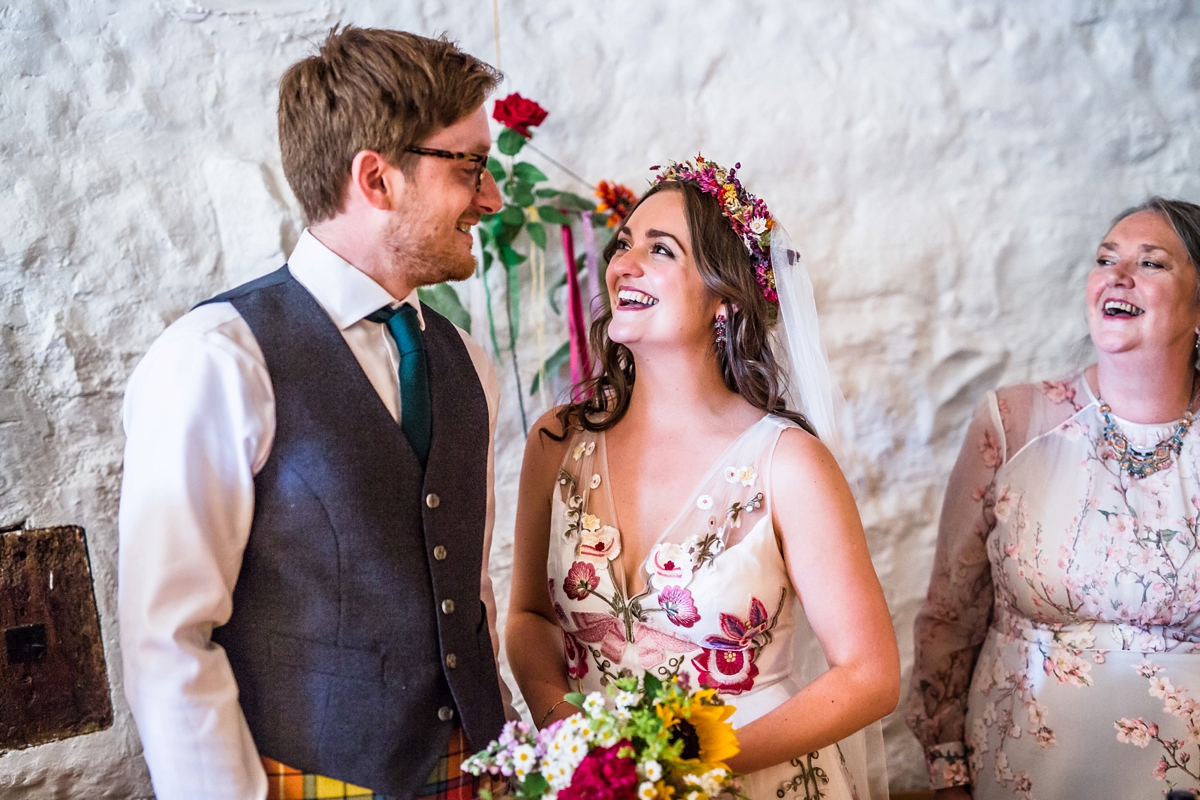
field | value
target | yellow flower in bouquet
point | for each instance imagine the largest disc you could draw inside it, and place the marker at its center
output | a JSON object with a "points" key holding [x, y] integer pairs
{"points": [[701, 721]]}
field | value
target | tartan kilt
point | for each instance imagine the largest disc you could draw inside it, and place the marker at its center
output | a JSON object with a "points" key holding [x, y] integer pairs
{"points": [[447, 781]]}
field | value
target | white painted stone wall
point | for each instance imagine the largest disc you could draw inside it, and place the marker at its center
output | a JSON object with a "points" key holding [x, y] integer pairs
{"points": [[946, 166]]}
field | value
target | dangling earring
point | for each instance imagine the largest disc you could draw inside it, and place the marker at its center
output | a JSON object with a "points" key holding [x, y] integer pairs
{"points": [[721, 330]]}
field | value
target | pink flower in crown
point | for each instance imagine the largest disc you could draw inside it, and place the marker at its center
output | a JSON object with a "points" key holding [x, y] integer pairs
{"points": [[581, 580], [747, 215], [677, 602], [602, 544]]}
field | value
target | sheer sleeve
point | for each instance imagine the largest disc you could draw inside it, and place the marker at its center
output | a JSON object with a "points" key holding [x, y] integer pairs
{"points": [[952, 624]]}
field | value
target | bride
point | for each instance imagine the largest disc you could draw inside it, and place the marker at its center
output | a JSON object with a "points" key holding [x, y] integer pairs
{"points": [[678, 514]]}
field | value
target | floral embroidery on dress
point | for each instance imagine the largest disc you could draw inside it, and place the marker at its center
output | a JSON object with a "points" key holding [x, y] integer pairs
{"points": [[581, 580], [1059, 392], [669, 563], [727, 661], [602, 543], [679, 607], [1173, 764], [743, 475]]}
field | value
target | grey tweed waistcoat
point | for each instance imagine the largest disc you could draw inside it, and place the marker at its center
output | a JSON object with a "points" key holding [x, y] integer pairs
{"points": [[358, 638]]}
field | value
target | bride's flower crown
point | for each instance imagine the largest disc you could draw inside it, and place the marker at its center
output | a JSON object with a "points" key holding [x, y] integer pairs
{"points": [[747, 214]]}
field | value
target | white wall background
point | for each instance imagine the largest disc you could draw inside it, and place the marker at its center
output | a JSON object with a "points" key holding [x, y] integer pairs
{"points": [[947, 167]]}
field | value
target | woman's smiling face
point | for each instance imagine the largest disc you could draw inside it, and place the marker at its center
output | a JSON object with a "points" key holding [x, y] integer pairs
{"points": [[1143, 292], [657, 294]]}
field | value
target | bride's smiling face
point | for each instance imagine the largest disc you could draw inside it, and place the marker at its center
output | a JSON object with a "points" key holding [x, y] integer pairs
{"points": [[657, 294]]}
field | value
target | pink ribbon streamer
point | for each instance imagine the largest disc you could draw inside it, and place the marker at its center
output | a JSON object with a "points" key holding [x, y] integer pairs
{"points": [[581, 362], [592, 263]]}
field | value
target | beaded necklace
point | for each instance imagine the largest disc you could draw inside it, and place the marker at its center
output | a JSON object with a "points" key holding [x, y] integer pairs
{"points": [[1139, 462]]}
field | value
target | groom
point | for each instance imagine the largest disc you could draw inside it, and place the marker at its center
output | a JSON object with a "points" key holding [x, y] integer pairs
{"points": [[307, 500]]}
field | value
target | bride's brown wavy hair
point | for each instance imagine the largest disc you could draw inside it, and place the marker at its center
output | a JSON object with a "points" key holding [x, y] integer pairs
{"points": [[748, 367]]}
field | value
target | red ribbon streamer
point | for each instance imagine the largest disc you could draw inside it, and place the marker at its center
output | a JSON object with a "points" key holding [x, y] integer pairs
{"points": [[592, 263], [581, 362]]}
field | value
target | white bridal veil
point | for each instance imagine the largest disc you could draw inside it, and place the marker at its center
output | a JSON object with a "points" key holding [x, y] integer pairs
{"points": [[813, 392]]}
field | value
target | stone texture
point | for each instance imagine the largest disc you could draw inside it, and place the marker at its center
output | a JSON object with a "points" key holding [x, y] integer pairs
{"points": [[946, 167]]}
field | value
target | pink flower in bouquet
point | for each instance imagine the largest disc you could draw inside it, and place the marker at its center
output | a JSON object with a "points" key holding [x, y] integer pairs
{"points": [[581, 580], [604, 774], [518, 113]]}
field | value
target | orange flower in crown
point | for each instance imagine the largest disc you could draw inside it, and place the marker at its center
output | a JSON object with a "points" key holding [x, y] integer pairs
{"points": [[616, 199]]}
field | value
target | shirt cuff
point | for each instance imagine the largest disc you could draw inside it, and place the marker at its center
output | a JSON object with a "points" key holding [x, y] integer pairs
{"points": [[947, 765]]}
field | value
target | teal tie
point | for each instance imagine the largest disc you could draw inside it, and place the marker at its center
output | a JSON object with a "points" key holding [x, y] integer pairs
{"points": [[416, 408]]}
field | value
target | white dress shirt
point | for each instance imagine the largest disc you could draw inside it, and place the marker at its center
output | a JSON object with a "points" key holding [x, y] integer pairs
{"points": [[199, 423]]}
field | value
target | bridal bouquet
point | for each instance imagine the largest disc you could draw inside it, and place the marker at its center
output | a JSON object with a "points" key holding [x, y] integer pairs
{"points": [[660, 742]]}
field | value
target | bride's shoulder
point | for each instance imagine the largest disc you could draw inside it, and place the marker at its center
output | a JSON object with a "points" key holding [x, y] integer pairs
{"points": [[800, 458]]}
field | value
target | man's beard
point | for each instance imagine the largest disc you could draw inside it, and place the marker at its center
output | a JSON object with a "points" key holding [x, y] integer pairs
{"points": [[424, 257]]}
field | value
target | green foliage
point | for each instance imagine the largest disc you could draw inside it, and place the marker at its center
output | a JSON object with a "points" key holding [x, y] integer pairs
{"points": [[444, 300], [514, 302], [524, 171], [521, 193], [573, 202], [552, 216], [512, 215], [510, 142], [537, 233], [529, 205], [534, 786], [495, 167]]}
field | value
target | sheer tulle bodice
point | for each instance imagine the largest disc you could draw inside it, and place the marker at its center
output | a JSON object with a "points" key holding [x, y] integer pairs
{"points": [[713, 600]]}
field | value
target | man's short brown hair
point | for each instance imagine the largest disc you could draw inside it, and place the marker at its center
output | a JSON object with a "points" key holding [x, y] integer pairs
{"points": [[369, 89]]}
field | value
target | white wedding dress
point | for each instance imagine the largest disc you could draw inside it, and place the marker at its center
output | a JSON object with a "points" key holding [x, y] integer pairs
{"points": [[713, 601]]}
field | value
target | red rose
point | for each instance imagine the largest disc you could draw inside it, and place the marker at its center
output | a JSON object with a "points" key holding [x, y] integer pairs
{"points": [[518, 113]]}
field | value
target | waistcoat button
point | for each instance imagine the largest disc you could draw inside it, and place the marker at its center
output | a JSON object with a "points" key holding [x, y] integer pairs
{"points": [[439, 553], [445, 713], [432, 500], [447, 606], [451, 660]]}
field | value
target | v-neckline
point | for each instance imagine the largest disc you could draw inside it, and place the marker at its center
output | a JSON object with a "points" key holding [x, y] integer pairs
{"points": [[688, 502]]}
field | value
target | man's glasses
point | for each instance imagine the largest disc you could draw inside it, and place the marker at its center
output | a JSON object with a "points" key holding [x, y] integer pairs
{"points": [[473, 158]]}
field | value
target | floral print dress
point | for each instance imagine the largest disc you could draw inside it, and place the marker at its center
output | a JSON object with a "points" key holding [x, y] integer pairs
{"points": [[1057, 651], [713, 603]]}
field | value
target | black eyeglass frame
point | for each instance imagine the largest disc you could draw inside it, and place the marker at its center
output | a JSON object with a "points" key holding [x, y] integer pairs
{"points": [[454, 155]]}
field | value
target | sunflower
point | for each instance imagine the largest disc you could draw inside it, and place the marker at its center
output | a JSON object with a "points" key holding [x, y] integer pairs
{"points": [[701, 722]]}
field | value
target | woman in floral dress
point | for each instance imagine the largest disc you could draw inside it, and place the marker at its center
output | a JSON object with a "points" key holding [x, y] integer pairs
{"points": [[674, 521], [1057, 652]]}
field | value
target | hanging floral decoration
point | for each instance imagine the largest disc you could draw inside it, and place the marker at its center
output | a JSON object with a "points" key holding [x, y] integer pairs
{"points": [[616, 199], [517, 234], [519, 114]]}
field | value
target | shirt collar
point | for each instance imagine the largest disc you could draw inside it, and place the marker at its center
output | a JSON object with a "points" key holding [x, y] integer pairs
{"points": [[346, 293]]}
